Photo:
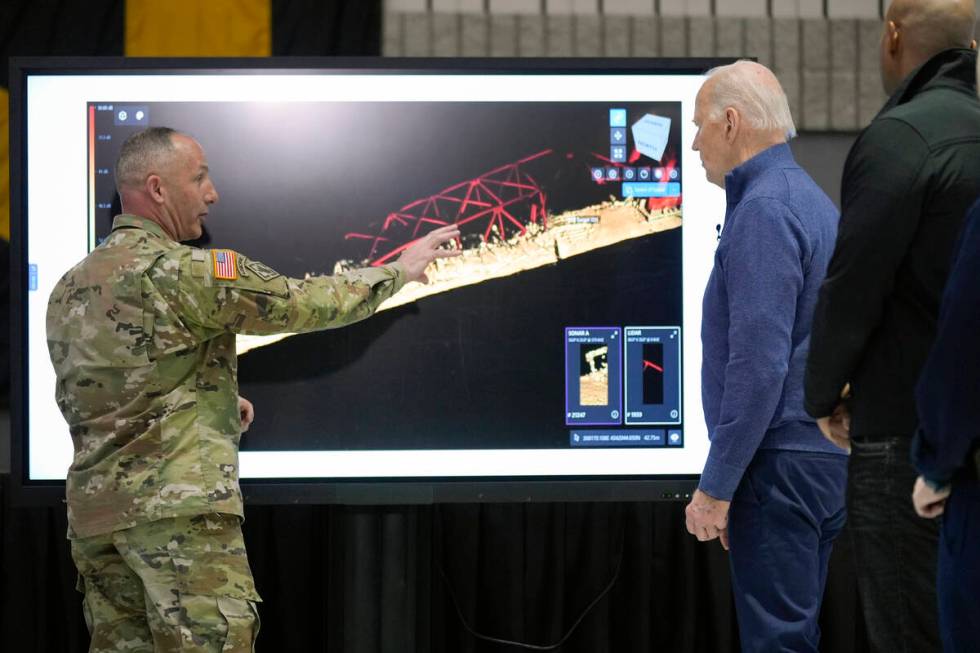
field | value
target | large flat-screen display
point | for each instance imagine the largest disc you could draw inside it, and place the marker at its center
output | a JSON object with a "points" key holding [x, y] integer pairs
{"points": [[561, 350]]}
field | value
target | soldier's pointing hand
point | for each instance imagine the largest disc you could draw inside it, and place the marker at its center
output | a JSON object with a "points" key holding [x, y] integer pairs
{"points": [[426, 249]]}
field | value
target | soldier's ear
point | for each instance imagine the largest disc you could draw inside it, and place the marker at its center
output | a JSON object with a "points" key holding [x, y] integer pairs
{"points": [[154, 188]]}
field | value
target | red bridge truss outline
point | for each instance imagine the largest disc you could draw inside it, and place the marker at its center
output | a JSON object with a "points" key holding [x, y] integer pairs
{"points": [[506, 197], [496, 197]]}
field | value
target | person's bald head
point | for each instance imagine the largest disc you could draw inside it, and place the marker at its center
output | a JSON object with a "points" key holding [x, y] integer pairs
{"points": [[740, 110], [916, 30]]}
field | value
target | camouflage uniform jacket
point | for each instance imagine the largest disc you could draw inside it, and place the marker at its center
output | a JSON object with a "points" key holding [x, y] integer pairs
{"points": [[142, 337]]}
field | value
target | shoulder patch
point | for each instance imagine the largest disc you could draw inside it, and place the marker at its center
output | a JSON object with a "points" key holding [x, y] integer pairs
{"points": [[242, 269], [262, 270], [200, 265], [224, 264]]}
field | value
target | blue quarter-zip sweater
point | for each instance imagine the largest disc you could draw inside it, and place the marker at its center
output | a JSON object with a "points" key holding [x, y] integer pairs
{"points": [[773, 253]]}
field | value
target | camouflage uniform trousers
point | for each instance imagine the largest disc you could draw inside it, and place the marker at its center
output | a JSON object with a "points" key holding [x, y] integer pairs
{"points": [[180, 584]]}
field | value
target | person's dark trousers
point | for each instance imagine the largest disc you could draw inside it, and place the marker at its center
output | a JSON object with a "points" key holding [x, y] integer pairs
{"points": [[784, 517], [959, 570], [895, 550]]}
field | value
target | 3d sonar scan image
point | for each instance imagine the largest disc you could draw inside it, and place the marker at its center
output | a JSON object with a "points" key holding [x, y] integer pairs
{"points": [[569, 213]]}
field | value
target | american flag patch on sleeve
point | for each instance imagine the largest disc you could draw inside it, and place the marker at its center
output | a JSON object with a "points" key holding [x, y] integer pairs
{"points": [[225, 266]]}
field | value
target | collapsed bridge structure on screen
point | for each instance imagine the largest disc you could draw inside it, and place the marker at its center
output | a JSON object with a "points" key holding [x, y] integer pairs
{"points": [[505, 227]]}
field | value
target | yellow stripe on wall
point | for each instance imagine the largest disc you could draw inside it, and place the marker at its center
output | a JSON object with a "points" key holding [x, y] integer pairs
{"points": [[4, 167], [198, 28]]}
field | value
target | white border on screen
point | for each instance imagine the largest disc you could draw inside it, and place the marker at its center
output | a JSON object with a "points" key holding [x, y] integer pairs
{"points": [[57, 225]]}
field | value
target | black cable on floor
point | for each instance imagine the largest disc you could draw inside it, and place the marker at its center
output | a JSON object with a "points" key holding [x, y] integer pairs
{"points": [[532, 647]]}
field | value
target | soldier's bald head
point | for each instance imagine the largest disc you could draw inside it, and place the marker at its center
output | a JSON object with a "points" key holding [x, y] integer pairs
{"points": [[916, 30]]}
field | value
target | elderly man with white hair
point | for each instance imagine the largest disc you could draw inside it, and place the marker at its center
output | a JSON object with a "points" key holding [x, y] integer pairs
{"points": [[772, 488]]}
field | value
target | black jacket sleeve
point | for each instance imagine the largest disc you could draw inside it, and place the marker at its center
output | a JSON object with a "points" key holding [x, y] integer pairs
{"points": [[948, 392], [881, 203]]}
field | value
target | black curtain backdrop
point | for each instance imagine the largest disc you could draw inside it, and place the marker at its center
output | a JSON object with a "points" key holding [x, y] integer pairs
{"points": [[95, 28], [370, 580], [326, 27], [58, 28]]}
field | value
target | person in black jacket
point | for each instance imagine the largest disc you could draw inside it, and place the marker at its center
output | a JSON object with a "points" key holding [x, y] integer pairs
{"points": [[907, 184], [946, 448]]}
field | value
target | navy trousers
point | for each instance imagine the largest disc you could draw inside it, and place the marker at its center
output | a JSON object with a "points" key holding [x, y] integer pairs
{"points": [[959, 570], [784, 517]]}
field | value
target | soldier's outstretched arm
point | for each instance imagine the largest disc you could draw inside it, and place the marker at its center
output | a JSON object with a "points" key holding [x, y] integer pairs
{"points": [[222, 291]]}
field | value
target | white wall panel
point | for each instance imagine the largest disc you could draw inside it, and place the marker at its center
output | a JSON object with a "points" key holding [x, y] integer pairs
{"points": [[587, 39], [418, 35], [816, 74], [503, 35], [869, 44], [697, 7], [627, 7], [558, 36], [616, 36], [701, 36], [474, 35], [673, 8], [828, 67], [445, 34], [797, 8], [852, 8], [729, 37], [530, 36], [685, 7], [458, 6], [786, 44], [871, 96], [646, 36], [558, 7], [572, 6], [756, 8], [521, 7], [786, 61], [673, 36], [758, 40], [586, 6], [843, 74], [391, 35], [406, 5]]}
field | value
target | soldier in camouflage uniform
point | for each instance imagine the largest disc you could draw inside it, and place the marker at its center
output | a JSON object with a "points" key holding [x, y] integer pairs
{"points": [[142, 337]]}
